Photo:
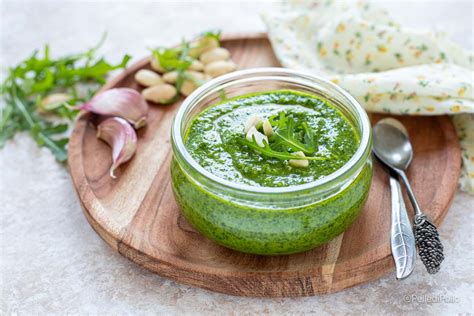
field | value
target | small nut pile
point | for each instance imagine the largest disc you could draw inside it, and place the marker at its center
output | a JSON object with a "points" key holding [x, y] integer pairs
{"points": [[205, 60]]}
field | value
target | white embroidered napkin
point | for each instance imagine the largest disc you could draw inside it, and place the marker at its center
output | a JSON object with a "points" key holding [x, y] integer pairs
{"points": [[387, 67]]}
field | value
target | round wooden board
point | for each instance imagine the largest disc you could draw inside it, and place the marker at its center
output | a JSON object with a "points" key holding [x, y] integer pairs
{"points": [[137, 215]]}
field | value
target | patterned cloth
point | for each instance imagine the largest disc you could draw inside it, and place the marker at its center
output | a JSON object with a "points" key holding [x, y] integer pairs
{"points": [[386, 67]]}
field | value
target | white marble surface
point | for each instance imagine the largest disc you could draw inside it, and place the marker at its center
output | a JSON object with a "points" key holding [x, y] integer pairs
{"points": [[53, 262]]}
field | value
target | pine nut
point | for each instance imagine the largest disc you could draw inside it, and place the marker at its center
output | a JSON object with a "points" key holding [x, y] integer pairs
{"points": [[303, 163], [218, 68], [160, 94], [215, 54], [148, 78]]}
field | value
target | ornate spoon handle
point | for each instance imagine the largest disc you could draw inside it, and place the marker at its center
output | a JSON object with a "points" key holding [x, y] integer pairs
{"points": [[427, 239], [401, 233]]}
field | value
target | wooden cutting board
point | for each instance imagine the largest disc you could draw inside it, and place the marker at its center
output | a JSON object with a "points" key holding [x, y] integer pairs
{"points": [[137, 215]]}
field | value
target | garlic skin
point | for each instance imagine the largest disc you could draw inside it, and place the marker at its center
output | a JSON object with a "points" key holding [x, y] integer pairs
{"points": [[259, 137], [122, 102], [121, 136]]}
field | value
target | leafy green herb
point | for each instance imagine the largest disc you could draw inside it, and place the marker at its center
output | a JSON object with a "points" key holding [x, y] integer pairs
{"points": [[285, 135], [175, 59], [269, 152], [285, 140], [34, 78]]}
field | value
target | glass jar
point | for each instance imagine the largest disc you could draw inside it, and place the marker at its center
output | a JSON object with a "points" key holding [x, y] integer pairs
{"points": [[270, 220]]}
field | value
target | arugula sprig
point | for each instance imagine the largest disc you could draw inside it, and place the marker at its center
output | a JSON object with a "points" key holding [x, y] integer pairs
{"points": [[271, 153], [27, 83], [285, 134], [285, 140]]}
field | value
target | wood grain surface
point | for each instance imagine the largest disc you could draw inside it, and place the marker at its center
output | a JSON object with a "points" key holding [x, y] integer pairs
{"points": [[136, 214]]}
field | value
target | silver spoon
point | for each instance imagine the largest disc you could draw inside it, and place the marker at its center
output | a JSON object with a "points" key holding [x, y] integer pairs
{"points": [[402, 240], [392, 146]]}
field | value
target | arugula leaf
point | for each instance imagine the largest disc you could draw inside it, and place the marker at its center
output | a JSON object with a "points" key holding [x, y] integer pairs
{"points": [[173, 58], [285, 136], [269, 152], [35, 77], [309, 137]]}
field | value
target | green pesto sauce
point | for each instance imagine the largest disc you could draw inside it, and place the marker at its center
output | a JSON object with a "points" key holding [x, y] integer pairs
{"points": [[213, 139], [256, 225]]}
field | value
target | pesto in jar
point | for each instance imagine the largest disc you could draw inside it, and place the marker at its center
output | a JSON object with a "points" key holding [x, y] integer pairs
{"points": [[214, 139], [267, 224]]}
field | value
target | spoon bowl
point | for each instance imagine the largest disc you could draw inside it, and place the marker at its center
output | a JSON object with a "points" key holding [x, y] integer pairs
{"points": [[392, 145]]}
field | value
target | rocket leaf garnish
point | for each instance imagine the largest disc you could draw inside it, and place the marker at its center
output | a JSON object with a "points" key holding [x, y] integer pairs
{"points": [[36, 77], [269, 152], [284, 142], [285, 135]]}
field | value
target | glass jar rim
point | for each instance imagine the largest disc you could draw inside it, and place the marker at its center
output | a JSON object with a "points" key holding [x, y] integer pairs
{"points": [[358, 158]]}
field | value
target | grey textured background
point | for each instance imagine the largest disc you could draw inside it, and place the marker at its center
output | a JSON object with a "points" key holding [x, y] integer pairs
{"points": [[53, 262]]}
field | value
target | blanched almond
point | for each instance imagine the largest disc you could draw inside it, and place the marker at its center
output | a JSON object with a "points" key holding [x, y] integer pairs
{"points": [[52, 101], [253, 121], [170, 77], [188, 87], [160, 94], [215, 54], [218, 68], [202, 45], [196, 65], [148, 78], [303, 163], [195, 74], [155, 65], [267, 128]]}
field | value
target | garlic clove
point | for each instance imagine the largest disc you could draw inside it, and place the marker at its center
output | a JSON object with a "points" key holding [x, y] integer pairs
{"points": [[302, 163], [259, 137], [253, 121], [122, 102], [121, 136], [267, 128]]}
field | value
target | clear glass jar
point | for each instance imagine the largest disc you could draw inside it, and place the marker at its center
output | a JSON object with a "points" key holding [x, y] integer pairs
{"points": [[270, 220]]}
